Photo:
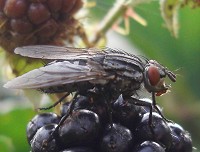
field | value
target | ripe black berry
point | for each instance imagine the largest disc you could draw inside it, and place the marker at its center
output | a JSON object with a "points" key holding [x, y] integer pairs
{"points": [[148, 146], [161, 131], [43, 141], [64, 108], [81, 128], [96, 103], [81, 102], [79, 149], [145, 109], [125, 113], [39, 121], [116, 138], [181, 139]]}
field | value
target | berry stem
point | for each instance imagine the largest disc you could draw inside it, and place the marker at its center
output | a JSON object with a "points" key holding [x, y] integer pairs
{"points": [[114, 13], [118, 9]]}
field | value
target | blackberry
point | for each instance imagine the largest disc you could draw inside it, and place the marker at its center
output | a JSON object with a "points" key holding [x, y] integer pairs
{"points": [[116, 138], [15, 8], [145, 109], [161, 131], [81, 102], [181, 139], [83, 131], [29, 22], [95, 103], [38, 13], [64, 108], [43, 140], [79, 149], [80, 128], [149, 146], [21, 26], [125, 113], [39, 121]]}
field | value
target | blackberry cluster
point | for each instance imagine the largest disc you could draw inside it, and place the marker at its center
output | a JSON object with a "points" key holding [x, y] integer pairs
{"points": [[25, 22], [93, 126]]}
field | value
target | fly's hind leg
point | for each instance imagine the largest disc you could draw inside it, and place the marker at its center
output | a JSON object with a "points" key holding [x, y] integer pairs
{"points": [[69, 112]]}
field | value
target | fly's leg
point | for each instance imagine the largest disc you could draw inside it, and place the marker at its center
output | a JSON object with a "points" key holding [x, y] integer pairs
{"points": [[157, 109], [138, 102], [106, 97], [108, 102], [70, 110], [151, 107], [109, 109], [56, 103]]}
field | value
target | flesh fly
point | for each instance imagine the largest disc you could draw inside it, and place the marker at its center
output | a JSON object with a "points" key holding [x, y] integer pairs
{"points": [[80, 69], [112, 72]]}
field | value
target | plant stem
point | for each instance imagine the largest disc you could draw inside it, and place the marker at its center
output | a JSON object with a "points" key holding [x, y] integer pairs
{"points": [[118, 9], [115, 12]]}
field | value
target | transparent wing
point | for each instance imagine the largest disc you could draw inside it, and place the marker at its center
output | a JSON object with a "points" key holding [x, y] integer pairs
{"points": [[58, 73], [55, 52]]}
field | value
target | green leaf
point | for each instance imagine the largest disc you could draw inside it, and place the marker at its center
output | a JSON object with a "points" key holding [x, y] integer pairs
{"points": [[13, 130]]}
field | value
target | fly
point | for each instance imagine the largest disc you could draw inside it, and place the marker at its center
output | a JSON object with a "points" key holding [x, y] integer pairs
{"points": [[113, 72], [79, 69]]}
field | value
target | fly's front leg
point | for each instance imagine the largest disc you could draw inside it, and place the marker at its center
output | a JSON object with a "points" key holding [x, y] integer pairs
{"points": [[157, 109], [138, 102]]}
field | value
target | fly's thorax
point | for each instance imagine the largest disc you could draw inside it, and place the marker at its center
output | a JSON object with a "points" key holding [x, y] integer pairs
{"points": [[124, 68]]}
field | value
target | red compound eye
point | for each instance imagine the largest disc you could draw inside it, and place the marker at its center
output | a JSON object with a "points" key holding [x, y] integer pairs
{"points": [[154, 75]]}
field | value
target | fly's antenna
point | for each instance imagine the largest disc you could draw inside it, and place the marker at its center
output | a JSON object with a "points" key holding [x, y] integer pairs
{"points": [[171, 75]]}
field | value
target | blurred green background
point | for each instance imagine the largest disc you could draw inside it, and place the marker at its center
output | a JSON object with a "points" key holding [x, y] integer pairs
{"points": [[182, 55]]}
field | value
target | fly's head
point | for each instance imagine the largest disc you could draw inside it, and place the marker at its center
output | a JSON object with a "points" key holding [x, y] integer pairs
{"points": [[154, 75]]}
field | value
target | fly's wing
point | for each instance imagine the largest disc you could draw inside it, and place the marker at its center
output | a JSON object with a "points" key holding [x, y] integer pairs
{"points": [[58, 73], [55, 52]]}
